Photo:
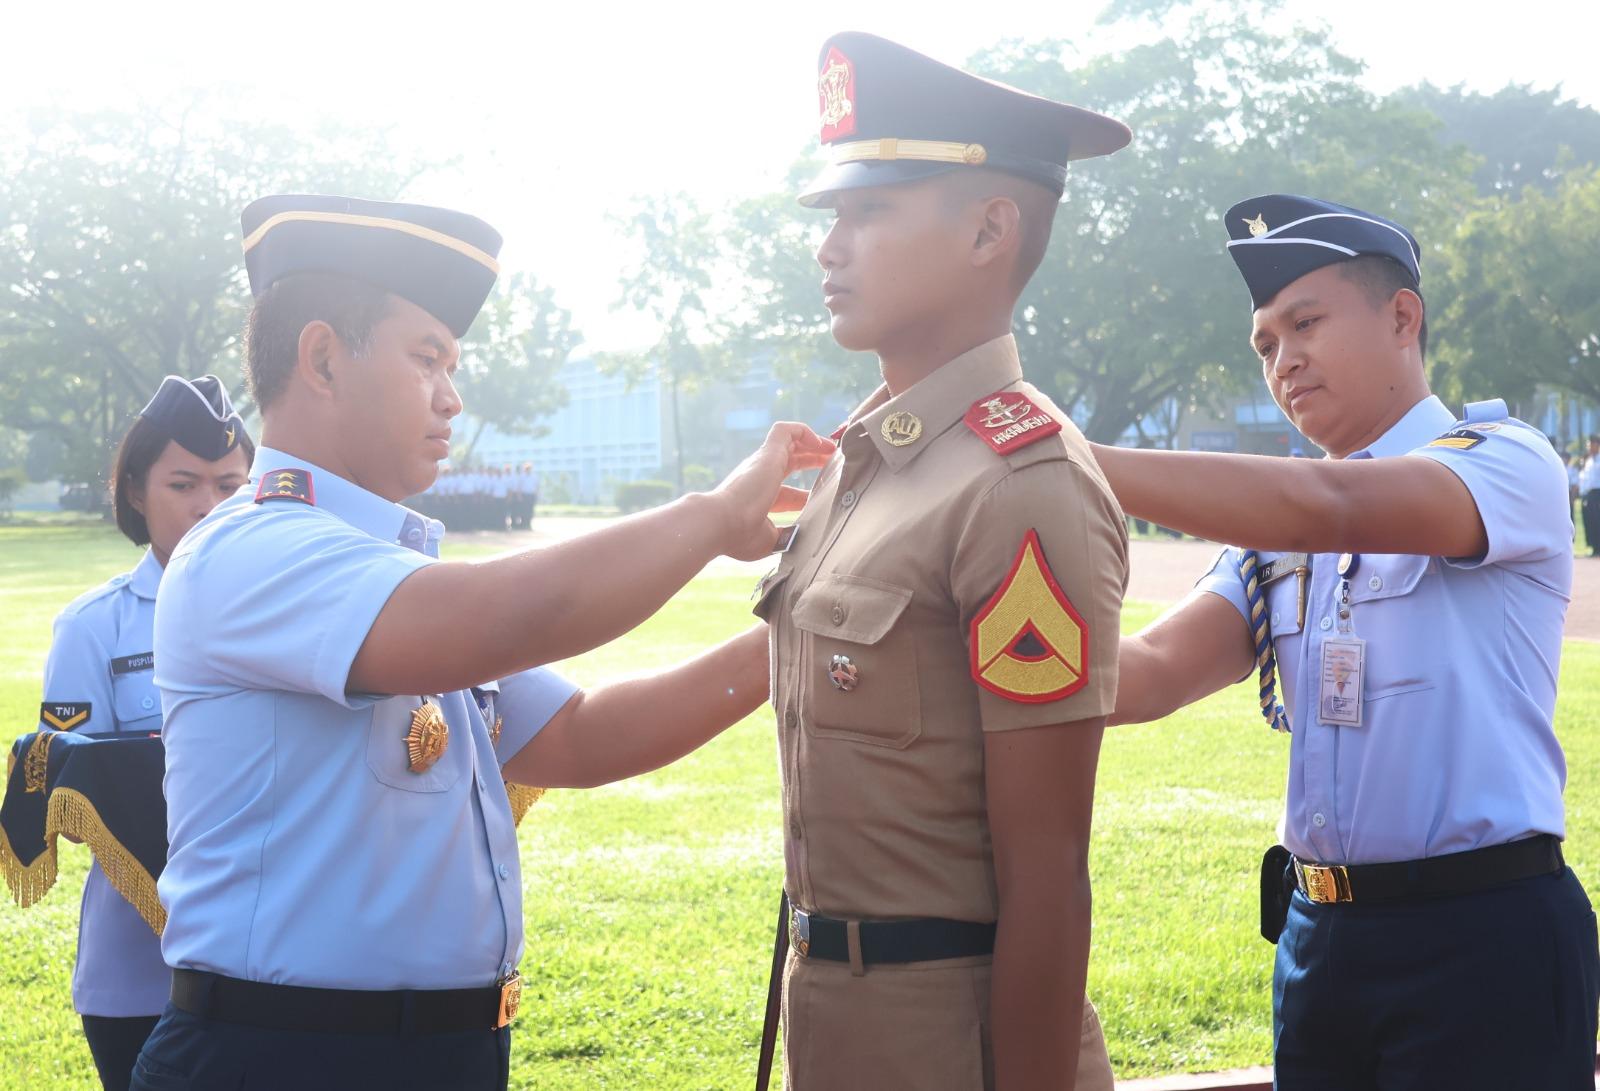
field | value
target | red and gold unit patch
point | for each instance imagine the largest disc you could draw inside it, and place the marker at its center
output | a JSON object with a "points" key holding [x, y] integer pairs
{"points": [[1028, 643], [293, 484], [1007, 420], [836, 94]]}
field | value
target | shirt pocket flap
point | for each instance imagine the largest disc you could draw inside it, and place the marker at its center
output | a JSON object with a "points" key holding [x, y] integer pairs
{"points": [[852, 608], [1387, 576], [766, 594]]}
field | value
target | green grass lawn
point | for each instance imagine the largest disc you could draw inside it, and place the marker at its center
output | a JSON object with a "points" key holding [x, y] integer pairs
{"points": [[649, 905]]}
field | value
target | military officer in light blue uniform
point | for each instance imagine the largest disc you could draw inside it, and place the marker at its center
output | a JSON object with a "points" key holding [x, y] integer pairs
{"points": [[1405, 597], [344, 710], [186, 451]]}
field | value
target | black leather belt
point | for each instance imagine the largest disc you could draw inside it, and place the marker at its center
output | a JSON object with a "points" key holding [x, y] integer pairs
{"points": [[1435, 877], [345, 1011], [924, 940]]}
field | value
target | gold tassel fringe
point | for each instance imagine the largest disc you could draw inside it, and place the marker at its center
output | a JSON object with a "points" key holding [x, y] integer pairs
{"points": [[522, 797], [28, 882], [72, 814]]}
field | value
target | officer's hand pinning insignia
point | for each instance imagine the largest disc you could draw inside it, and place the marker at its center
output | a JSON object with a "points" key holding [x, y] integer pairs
{"points": [[64, 715], [293, 484], [1028, 643]]}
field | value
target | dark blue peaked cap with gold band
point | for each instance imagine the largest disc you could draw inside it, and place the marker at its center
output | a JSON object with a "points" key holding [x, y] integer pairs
{"points": [[891, 115], [1278, 238], [443, 261], [196, 414]]}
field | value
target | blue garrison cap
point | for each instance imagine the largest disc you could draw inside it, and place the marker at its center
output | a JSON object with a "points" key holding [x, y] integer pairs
{"points": [[1278, 238], [890, 115], [196, 415], [443, 261]]}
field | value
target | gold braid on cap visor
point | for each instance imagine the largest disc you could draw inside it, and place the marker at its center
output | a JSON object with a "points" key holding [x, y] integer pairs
{"points": [[888, 149]]}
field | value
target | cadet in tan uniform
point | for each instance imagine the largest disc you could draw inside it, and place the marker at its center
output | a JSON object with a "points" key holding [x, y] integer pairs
{"points": [[944, 624]]}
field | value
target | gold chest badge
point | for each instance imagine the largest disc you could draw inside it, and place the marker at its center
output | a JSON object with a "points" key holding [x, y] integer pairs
{"points": [[428, 737], [901, 429]]}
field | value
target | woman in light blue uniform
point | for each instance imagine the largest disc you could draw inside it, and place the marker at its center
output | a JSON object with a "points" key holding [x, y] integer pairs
{"points": [[186, 452]]}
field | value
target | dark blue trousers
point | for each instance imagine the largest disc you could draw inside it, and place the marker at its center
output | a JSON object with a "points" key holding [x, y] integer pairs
{"points": [[114, 1042], [1493, 991], [188, 1053]]}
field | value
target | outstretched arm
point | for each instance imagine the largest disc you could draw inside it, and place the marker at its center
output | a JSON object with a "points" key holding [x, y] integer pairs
{"points": [[1387, 505], [1194, 649], [629, 727], [450, 626]]}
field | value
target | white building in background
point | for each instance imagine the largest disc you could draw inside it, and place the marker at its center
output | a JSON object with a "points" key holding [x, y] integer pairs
{"points": [[605, 434]]}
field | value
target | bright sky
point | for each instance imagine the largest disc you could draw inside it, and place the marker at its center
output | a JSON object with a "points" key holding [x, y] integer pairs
{"points": [[561, 112]]}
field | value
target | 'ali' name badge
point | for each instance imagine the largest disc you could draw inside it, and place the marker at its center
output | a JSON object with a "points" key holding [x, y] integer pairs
{"points": [[1344, 661]]}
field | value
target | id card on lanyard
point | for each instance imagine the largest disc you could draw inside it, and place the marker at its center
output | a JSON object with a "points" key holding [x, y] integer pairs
{"points": [[1344, 659]]}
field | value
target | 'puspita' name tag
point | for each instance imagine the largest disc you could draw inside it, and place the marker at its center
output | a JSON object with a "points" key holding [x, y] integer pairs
{"points": [[1344, 661]]}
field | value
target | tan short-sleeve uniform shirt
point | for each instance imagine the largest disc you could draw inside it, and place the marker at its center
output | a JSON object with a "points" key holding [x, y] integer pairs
{"points": [[944, 581]]}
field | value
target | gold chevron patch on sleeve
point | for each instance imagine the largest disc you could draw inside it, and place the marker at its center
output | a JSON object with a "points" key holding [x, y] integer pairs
{"points": [[1028, 643], [64, 715]]}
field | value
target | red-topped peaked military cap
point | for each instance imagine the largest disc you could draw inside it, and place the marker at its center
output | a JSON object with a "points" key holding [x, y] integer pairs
{"points": [[890, 115]]}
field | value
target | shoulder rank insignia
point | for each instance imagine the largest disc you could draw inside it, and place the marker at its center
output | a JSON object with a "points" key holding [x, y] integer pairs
{"points": [[1460, 439], [1007, 420], [1028, 643], [428, 737], [290, 484], [63, 715]]}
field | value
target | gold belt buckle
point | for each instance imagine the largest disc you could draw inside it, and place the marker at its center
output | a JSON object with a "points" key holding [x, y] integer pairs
{"points": [[510, 998], [1325, 884]]}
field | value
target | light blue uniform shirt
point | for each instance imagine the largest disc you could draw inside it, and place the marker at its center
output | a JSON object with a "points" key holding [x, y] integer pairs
{"points": [[1456, 750], [304, 850], [100, 657]]}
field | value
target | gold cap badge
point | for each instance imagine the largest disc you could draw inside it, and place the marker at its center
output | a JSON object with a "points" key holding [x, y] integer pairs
{"points": [[428, 737], [901, 429], [1257, 226]]}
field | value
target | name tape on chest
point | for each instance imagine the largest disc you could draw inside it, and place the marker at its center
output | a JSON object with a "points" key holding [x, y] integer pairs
{"points": [[64, 715], [133, 664], [1008, 420], [290, 484], [1460, 439], [1029, 643]]}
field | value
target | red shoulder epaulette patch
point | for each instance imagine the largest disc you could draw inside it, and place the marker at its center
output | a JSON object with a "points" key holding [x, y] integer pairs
{"points": [[1028, 643], [1007, 420], [292, 484]]}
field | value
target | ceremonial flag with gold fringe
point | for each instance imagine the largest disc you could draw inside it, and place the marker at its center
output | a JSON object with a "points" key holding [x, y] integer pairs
{"points": [[104, 791]]}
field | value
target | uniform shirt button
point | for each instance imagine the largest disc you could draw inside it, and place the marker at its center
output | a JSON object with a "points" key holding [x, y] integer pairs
{"points": [[1318, 820], [505, 872], [848, 498], [481, 786], [1326, 623], [789, 718], [1274, 617], [794, 829], [838, 615], [1376, 583], [148, 702]]}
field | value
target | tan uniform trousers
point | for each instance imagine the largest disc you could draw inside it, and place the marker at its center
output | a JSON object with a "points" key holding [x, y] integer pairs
{"points": [[921, 1026]]}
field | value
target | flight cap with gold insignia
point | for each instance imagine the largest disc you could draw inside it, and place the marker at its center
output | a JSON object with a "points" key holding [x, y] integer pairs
{"points": [[891, 115], [443, 261], [197, 415], [1278, 238]]}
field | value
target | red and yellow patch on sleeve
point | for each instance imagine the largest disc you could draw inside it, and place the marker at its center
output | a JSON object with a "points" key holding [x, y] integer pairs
{"points": [[293, 484], [1007, 420], [1028, 643]]}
